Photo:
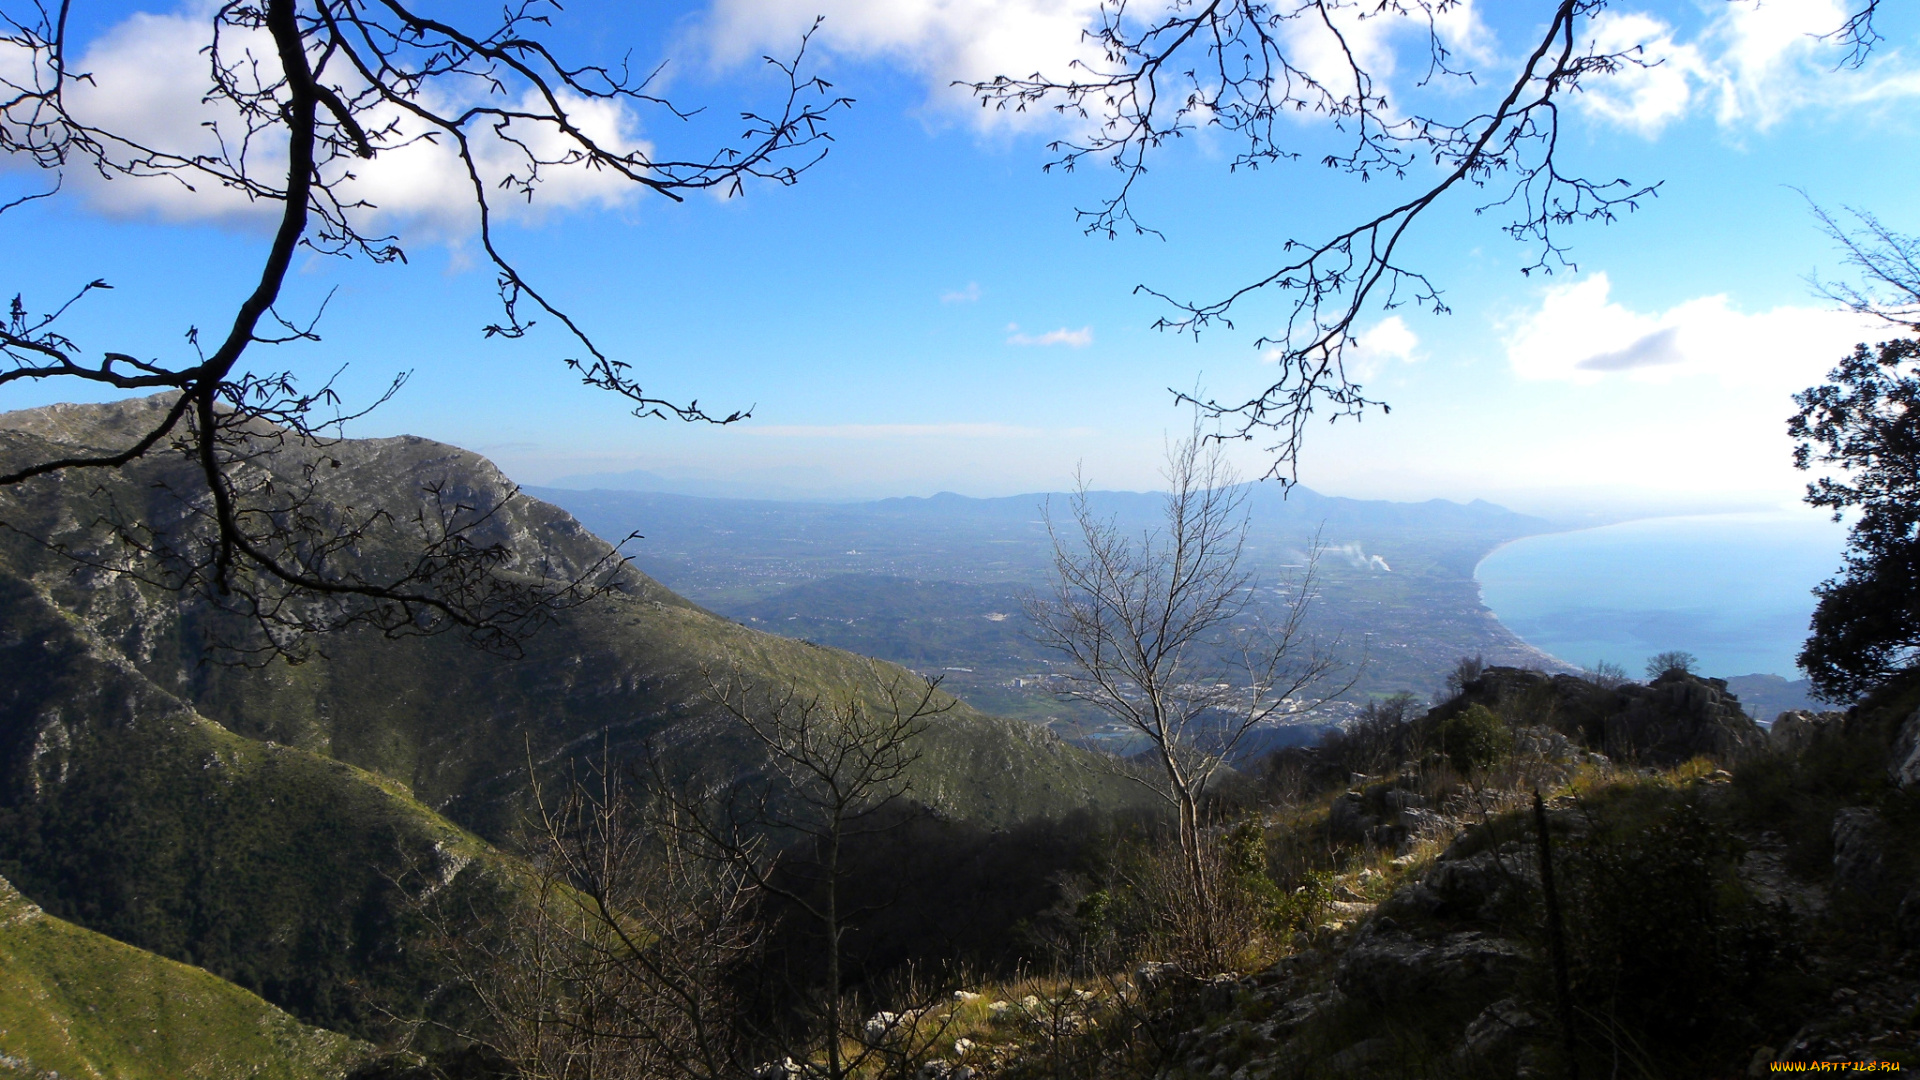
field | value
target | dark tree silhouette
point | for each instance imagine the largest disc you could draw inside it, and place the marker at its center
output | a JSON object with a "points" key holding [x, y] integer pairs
{"points": [[1866, 419], [1170, 68], [1672, 660], [345, 81]]}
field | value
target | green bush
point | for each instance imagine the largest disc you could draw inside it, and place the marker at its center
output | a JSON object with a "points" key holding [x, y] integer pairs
{"points": [[1673, 960], [1474, 738]]}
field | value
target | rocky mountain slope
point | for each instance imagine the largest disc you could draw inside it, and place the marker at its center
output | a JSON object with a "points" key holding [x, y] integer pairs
{"points": [[276, 823], [284, 871], [455, 725]]}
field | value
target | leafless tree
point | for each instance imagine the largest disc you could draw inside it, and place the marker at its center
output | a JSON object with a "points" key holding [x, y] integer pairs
{"points": [[836, 772], [1168, 68], [1163, 633], [1887, 264], [612, 958], [301, 91]]}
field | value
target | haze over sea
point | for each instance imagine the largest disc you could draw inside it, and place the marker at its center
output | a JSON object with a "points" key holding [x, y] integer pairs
{"points": [[1733, 589]]}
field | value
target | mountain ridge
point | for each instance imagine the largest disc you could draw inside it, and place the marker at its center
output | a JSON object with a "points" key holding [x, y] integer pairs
{"points": [[257, 820]]}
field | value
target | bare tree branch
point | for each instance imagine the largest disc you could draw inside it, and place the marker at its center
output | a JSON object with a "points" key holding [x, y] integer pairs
{"points": [[1235, 66], [346, 81]]}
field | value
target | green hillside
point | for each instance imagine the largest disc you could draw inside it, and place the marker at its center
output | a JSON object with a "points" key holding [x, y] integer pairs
{"points": [[283, 871], [79, 1004], [455, 725], [276, 824]]}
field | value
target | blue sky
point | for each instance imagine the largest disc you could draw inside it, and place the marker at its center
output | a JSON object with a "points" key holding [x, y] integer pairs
{"points": [[922, 312]]}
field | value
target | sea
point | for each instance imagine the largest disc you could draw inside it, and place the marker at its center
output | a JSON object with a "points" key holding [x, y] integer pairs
{"points": [[1735, 590]]}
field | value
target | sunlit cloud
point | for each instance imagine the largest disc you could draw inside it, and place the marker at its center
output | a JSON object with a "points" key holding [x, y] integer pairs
{"points": [[1388, 341], [149, 81], [1753, 64], [950, 43], [962, 296], [943, 41], [1078, 339], [1580, 334]]}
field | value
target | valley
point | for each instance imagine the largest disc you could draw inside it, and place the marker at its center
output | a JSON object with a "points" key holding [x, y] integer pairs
{"points": [[938, 584]]}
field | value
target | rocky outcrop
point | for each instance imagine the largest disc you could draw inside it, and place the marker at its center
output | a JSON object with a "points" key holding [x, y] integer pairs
{"points": [[1471, 888], [1386, 814], [1904, 766], [1677, 717], [1392, 968], [1798, 729], [1859, 851]]}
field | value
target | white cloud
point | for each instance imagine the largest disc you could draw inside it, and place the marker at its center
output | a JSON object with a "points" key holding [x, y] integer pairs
{"points": [[1580, 335], [962, 296], [1078, 339], [1754, 63], [1649, 94], [149, 81], [943, 41], [1387, 341], [963, 41]]}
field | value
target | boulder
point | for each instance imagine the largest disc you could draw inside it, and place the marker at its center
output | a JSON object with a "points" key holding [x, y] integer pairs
{"points": [[1906, 920], [1474, 887], [1391, 968], [1547, 745], [1348, 818], [1384, 814], [1155, 974], [1797, 729], [1498, 1033], [1859, 851]]}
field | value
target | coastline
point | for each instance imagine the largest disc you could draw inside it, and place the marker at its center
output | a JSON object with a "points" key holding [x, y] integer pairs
{"points": [[1547, 661], [1735, 589]]}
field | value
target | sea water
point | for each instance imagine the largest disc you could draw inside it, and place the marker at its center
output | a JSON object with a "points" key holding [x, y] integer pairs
{"points": [[1733, 589]]}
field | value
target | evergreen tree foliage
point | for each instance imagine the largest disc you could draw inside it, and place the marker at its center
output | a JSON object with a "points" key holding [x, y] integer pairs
{"points": [[1865, 419]]}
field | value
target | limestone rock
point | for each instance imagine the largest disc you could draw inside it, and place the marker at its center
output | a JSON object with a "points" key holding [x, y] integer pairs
{"points": [[1473, 887], [1904, 769], [1498, 1031], [1859, 851], [1798, 729], [1385, 814], [1392, 968], [1679, 717]]}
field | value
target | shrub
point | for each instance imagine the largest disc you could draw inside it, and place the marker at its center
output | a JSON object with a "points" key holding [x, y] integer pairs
{"points": [[1606, 675], [1474, 738], [1670, 954]]}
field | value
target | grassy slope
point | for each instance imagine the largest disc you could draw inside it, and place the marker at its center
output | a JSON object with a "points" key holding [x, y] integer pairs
{"points": [[123, 810], [80, 1004]]}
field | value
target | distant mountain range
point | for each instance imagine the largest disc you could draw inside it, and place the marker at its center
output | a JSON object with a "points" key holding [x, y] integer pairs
{"points": [[937, 583]]}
